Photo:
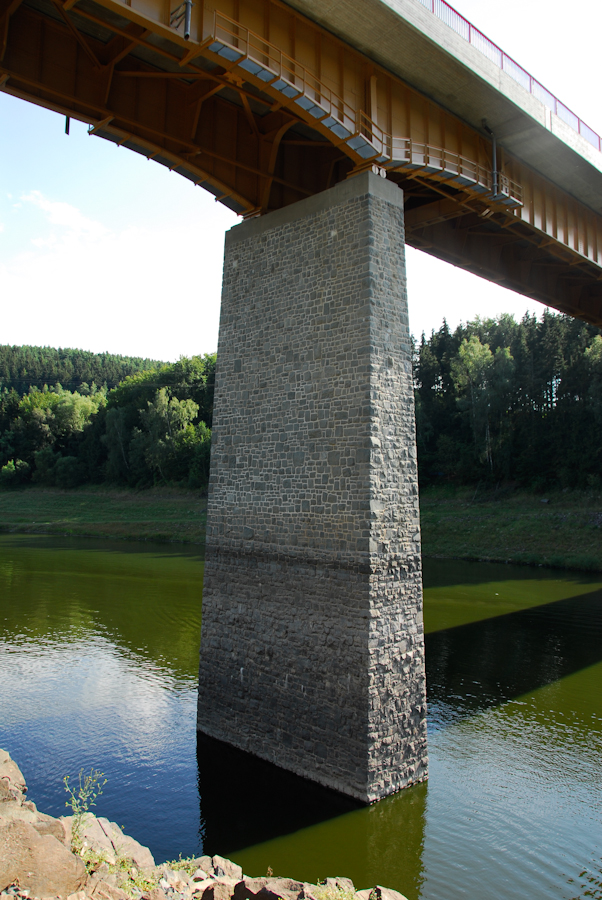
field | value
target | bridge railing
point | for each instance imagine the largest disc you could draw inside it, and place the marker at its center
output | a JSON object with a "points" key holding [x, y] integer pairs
{"points": [[258, 56], [465, 29], [238, 46], [435, 161]]}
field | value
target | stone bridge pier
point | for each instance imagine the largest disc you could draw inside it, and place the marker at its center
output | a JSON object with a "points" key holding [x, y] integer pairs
{"points": [[312, 647]]}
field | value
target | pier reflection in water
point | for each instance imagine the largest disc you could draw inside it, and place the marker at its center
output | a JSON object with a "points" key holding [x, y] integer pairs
{"points": [[98, 659]]}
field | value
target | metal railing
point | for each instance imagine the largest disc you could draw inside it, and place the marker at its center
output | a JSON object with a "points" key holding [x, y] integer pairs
{"points": [[238, 46], [418, 156], [465, 29]]}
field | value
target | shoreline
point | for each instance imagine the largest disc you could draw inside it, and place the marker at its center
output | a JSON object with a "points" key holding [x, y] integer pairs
{"points": [[85, 857], [561, 530]]}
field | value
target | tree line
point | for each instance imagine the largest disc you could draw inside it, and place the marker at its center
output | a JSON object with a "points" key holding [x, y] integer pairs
{"points": [[503, 401], [153, 427], [497, 401], [25, 367]]}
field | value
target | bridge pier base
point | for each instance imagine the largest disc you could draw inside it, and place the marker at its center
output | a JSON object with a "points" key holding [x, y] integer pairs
{"points": [[312, 650]]}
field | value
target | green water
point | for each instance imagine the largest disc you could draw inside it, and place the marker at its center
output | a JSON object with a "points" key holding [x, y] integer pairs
{"points": [[513, 806], [98, 661]]}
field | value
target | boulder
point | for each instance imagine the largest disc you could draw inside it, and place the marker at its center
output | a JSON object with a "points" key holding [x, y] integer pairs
{"points": [[201, 882], [104, 890], [155, 894], [223, 889], [14, 811], [223, 867], [200, 874], [340, 884], [49, 825], [379, 893], [41, 864], [205, 863], [11, 774], [108, 840], [309, 892], [267, 889]]}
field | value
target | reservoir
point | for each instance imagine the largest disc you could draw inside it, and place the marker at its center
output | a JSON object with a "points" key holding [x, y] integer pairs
{"points": [[99, 650]]}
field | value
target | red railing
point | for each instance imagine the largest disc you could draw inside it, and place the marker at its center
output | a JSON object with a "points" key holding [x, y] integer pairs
{"points": [[463, 27]]}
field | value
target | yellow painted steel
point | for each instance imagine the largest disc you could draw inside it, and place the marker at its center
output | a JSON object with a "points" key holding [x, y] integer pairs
{"points": [[263, 107]]}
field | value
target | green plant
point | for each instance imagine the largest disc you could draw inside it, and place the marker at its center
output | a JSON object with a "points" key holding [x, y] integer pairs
{"points": [[187, 863], [81, 798], [131, 879], [332, 892]]}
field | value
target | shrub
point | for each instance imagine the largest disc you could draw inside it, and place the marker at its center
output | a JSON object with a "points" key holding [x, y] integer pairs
{"points": [[14, 473]]}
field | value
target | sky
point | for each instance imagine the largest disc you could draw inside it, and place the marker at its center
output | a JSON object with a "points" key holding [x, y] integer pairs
{"points": [[103, 250]]}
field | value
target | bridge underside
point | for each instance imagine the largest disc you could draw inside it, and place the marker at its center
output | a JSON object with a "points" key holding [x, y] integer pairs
{"points": [[263, 108]]}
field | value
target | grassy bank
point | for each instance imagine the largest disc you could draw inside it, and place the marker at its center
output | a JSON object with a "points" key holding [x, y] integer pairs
{"points": [[158, 514], [557, 529], [562, 530]]}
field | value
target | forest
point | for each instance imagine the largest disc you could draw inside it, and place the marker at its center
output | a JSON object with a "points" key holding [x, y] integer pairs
{"points": [[25, 367], [497, 402], [509, 402], [152, 427]]}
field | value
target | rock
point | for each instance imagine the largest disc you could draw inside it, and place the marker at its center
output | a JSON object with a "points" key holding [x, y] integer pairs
{"points": [[340, 884], [11, 774], [155, 894], [14, 811], [205, 863], [127, 846], [108, 840], [217, 890], [103, 890], [267, 889], [379, 893], [40, 863], [200, 884], [223, 866], [309, 892], [48, 825]]}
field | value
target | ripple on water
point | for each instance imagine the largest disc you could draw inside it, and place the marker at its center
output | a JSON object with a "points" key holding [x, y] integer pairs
{"points": [[98, 663]]}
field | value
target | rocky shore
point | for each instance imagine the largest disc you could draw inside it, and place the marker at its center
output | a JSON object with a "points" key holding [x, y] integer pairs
{"points": [[85, 857]]}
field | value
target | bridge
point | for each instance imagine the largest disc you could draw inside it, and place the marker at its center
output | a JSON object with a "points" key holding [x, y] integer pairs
{"points": [[339, 132]]}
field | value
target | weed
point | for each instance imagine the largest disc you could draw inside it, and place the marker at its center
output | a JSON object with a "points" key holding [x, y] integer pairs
{"points": [[331, 892], [131, 879], [81, 798], [186, 863]]}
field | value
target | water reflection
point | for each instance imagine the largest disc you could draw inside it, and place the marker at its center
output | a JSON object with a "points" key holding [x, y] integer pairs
{"points": [[98, 667]]}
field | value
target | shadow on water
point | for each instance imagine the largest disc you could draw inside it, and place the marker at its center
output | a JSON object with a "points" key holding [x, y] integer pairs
{"points": [[251, 808], [473, 667], [246, 800]]}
